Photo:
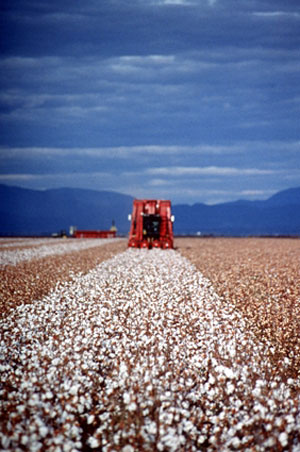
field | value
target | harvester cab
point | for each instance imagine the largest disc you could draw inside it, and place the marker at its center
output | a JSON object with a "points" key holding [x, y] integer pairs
{"points": [[151, 224]]}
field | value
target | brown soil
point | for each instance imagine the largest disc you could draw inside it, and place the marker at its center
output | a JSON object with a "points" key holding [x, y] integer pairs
{"points": [[261, 277], [32, 280]]}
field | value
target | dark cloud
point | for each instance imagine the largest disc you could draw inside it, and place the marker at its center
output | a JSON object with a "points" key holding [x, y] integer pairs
{"points": [[121, 28], [111, 73]]}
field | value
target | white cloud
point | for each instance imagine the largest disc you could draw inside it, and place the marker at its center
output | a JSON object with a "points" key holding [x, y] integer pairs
{"points": [[122, 152], [209, 171], [174, 2], [275, 14], [117, 151], [256, 193], [54, 177], [159, 182]]}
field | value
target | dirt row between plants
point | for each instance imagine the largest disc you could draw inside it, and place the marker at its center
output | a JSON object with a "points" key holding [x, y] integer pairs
{"points": [[32, 280], [260, 277]]}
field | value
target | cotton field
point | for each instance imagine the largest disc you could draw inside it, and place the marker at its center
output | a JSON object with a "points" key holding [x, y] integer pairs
{"points": [[142, 352]]}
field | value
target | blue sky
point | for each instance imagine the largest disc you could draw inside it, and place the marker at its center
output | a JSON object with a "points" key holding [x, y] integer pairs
{"points": [[188, 100]]}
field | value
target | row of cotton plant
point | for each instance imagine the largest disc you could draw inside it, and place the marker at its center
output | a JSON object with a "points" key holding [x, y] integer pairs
{"points": [[58, 247], [23, 242]]}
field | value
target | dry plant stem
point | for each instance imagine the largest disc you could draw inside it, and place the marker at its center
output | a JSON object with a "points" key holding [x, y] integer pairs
{"points": [[261, 278], [28, 281]]}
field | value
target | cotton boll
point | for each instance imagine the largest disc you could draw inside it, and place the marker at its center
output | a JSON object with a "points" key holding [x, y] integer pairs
{"points": [[230, 388], [128, 448], [132, 406], [93, 442]]}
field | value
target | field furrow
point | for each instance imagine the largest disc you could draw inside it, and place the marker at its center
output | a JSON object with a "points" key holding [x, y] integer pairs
{"points": [[261, 278], [141, 354], [13, 257], [31, 280]]}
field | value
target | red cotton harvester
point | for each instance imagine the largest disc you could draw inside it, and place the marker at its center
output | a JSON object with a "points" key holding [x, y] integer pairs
{"points": [[151, 224]]}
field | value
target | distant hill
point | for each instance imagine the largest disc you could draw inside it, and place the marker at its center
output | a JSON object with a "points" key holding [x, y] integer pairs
{"points": [[35, 212], [278, 215]]}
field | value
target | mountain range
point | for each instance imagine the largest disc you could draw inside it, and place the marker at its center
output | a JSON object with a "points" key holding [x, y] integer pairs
{"points": [[35, 212]]}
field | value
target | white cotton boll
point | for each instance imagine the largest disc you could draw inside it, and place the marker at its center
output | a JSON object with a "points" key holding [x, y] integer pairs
{"points": [[24, 440], [189, 382], [74, 389], [283, 439], [109, 391], [132, 406], [90, 419], [151, 428], [262, 409], [232, 352], [161, 360], [126, 398], [270, 442], [201, 439], [93, 442], [171, 441], [188, 426], [167, 418], [232, 431], [43, 431], [123, 370], [256, 392], [21, 408], [236, 442], [68, 407], [80, 408], [230, 388], [238, 403], [33, 400], [290, 419], [211, 380], [228, 372], [225, 371], [211, 393], [35, 446], [104, 416], [74, 432], [259, 383], [128, 448]]}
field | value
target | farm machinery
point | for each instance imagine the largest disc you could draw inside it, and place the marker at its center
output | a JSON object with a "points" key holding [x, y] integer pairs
{"points": [[151, 224]]}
